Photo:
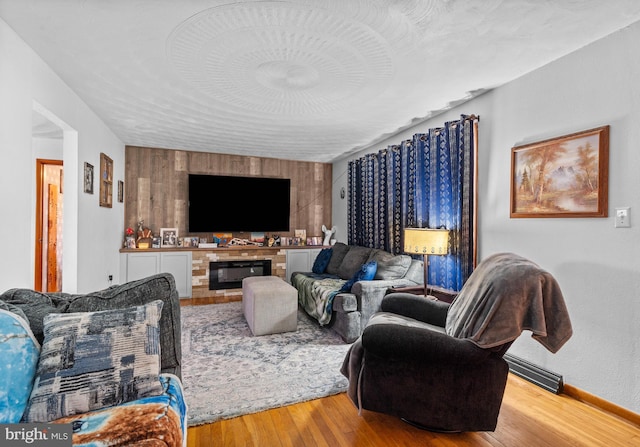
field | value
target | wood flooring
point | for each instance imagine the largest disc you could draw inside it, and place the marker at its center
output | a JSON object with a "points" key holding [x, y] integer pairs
{"points": [[529, 417]]}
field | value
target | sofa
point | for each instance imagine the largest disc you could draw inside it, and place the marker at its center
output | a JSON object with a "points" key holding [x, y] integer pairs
{"points": [[105, 363], [347, 284]]}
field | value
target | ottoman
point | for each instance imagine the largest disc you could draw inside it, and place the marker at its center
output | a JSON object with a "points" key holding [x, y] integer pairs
{"points": [[269, 304]]}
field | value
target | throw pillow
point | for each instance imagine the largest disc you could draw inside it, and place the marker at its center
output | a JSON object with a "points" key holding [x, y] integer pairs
{"points": [[19, 352], [92, 360], [395, 268], [366, 273], [339, 252], [322, 261], [352, 261], [391, 266]]}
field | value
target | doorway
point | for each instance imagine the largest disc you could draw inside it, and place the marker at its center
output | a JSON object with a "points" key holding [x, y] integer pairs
{"points": [[49, 225]]}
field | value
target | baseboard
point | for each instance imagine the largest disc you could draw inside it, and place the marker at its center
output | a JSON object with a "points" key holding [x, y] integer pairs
{"points": [[545, 379], [588, 398]]}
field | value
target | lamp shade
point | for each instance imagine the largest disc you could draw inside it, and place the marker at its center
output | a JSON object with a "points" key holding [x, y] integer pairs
{"points": [[426, 241]]}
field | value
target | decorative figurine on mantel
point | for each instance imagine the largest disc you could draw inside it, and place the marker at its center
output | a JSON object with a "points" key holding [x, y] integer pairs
{"points": [[327, 234], [145, 236]]}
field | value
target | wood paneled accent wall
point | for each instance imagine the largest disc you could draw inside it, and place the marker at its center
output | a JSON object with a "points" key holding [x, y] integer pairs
{"points": [[156, 187]]}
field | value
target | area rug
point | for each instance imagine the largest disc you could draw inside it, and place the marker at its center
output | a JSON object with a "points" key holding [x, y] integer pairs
{"points": [[227, 372]]}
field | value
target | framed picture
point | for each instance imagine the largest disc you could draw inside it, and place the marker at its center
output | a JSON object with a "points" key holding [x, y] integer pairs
{"points": [[562, 177], [222, 239], [300, 236], [106, 180], [88, 178], [131, 242], [169, 237], [120, 191]]}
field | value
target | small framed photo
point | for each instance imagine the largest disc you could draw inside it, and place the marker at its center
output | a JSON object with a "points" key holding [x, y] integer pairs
{"points": [[120, 191], [169, 237], [88, 178], [155, 242]]}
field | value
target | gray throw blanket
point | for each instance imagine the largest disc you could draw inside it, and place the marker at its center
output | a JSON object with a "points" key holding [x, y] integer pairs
{"points": [[505, 295], [316, 293]]}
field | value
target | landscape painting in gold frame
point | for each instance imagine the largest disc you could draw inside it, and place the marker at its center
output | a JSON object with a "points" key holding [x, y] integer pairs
{"points": [[562, 177]]}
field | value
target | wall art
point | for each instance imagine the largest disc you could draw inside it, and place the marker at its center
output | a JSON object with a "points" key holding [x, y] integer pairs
{"points": [[562, 177], [88, 178]]}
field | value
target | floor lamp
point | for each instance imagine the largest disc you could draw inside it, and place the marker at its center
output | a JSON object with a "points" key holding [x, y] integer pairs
{"points": [[425, 242]]}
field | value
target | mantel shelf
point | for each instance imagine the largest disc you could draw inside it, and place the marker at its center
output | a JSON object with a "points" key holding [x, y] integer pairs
{"points": [[223, 249]]}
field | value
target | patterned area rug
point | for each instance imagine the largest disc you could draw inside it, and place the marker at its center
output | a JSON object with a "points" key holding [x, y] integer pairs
{"points": [[227, 372]]}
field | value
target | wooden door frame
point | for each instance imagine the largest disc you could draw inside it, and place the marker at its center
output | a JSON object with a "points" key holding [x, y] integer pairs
{"points": [[40, 165]]}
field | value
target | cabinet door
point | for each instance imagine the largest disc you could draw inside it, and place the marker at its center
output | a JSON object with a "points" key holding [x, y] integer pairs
{"points": [[179, 265], [313, 254], [141, 265], [297, 261]]}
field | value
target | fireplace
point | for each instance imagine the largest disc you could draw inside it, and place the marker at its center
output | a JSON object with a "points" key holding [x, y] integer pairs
{"points": [[229, 274]]}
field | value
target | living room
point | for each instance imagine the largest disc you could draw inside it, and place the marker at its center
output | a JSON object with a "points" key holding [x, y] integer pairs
{"points": [[594, 262]]}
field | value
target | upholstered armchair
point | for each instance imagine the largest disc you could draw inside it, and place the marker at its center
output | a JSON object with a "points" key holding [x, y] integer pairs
{"points": [[441, 366]]}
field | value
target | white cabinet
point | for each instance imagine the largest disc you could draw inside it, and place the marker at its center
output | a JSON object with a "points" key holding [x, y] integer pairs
{"points": [[300, 260], [179, 265], [138, 265]]}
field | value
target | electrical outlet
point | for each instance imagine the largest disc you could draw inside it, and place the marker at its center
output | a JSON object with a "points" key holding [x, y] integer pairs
{"points": [[623, 219], [110, 278]]}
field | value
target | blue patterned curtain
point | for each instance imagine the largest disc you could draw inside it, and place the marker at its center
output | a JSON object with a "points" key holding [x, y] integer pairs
{"points": [[425, 182]]}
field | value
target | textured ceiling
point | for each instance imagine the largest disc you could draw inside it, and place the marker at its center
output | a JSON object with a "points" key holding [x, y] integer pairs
{"points": [[300, 79]]}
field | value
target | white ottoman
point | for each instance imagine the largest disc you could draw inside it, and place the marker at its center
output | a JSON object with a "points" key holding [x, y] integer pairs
{"points": [[269, 304]]}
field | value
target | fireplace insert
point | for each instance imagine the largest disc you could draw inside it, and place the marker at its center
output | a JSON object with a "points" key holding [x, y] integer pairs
{"points": [[229, 274]]}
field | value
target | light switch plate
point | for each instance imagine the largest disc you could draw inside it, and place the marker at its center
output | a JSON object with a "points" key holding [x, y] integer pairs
{"points": [[623, 218]]}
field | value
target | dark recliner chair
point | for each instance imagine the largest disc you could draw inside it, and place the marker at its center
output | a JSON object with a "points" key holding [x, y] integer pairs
{"points": [[441, 366]]}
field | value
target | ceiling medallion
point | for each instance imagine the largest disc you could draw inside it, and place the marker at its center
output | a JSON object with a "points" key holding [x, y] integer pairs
{"points": [[280, 57]]}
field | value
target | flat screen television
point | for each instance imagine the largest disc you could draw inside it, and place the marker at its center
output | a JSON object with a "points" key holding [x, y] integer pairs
{"points": [[238, 204]]}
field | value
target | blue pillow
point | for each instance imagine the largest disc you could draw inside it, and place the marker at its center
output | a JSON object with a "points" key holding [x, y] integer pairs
{"points": [[19, 352], [366, 273], [322, 261]]}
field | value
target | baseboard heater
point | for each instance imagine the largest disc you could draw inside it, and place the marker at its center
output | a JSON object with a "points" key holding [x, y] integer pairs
{"points": [[548, 380]]}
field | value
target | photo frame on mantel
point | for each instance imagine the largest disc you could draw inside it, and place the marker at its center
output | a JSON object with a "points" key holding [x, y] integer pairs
{"points": [[562, 177], [168, 237]]}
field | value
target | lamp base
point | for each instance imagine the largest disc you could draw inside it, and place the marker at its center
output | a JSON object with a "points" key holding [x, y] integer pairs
{"points": [[425, 264]]}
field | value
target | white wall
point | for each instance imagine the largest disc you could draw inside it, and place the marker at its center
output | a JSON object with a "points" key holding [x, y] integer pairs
{"points": [[92, 234], [597, 265]]}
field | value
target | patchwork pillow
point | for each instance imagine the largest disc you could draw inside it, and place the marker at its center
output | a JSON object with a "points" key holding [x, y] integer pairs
{"points": [[19, 352], [366, 273], [322, 261], [93, 360]]}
